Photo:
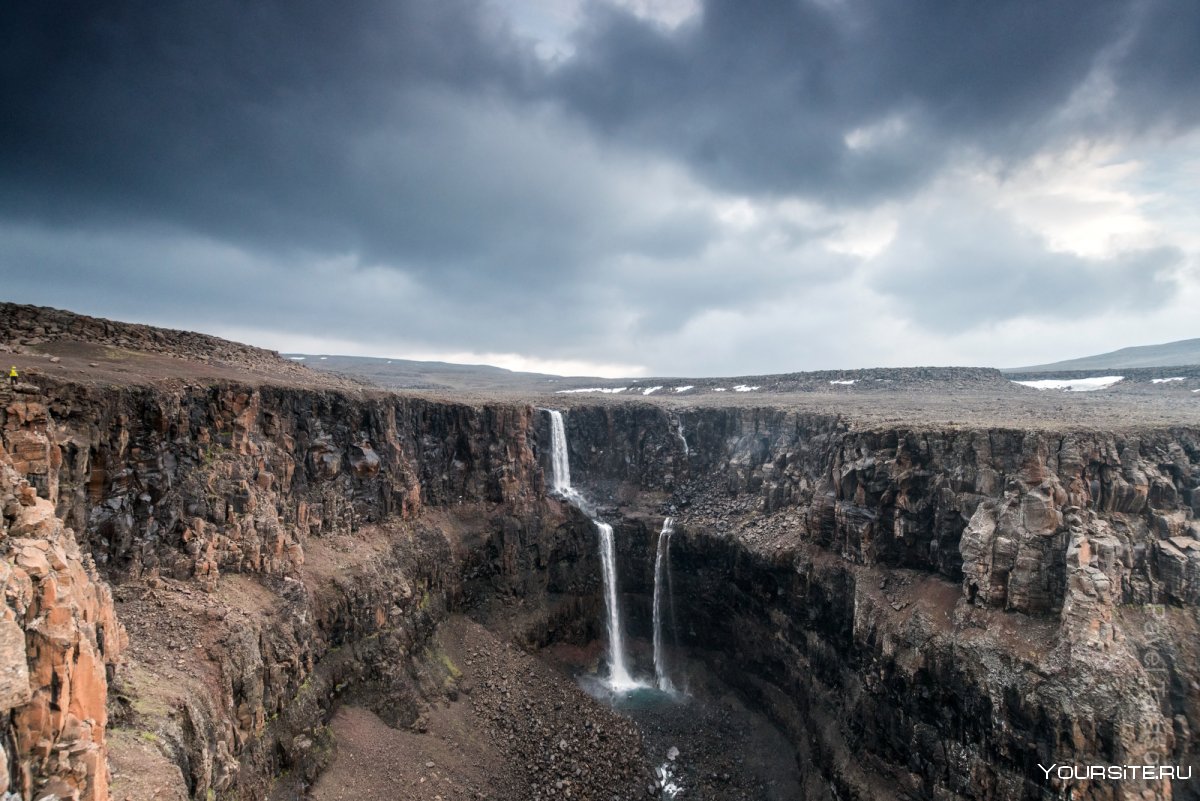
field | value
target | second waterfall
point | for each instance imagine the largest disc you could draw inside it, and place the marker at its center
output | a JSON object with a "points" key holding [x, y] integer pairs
{"points": [[662, 568], [619, 677]]}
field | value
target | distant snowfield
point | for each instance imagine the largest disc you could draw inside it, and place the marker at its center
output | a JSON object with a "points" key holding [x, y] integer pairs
{"points": [[605, 390], [744, 388], [684, 389], [651, 390], [1074, 384], [1165, 380], [845, 383]]}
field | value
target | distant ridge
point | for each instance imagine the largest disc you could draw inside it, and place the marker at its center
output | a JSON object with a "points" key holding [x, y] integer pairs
{"points": [[411, 374], [1170, 354], [406, 374]]}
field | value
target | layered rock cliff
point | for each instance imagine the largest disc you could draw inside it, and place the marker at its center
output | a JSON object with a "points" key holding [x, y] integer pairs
{"points": [[272, 549], [929, 612], [59, 643]]}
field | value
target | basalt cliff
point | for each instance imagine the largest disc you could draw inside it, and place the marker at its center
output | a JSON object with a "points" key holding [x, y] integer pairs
{"points": [[200, 570]]}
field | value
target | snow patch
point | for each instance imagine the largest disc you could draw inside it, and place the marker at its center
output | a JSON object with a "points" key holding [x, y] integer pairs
{"points": [[651, 390], [605, 390], [1165, 380], [744, 388], [718, 389], [1074, 384], [845, 383], [296, 358], [683, 389]]}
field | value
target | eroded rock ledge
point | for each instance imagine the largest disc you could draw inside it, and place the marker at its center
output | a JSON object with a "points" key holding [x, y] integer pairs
{"points": [[272, 550], [928, 613], [59, 641]]}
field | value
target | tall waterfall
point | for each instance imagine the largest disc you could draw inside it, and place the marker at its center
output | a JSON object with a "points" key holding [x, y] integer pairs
{"points": [[662, 568], [560, 464], [560, 479], [618, 673]]}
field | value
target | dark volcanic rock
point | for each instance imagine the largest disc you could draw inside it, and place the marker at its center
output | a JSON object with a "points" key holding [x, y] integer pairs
{"points": [[930, 611], [926, 611]]}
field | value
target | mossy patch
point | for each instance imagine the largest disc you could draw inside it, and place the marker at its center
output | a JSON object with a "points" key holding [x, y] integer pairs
{"points": [[448, 663]]}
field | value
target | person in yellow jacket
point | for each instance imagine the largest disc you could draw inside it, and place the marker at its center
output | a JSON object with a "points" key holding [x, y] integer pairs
{"points": [[12, 376]]}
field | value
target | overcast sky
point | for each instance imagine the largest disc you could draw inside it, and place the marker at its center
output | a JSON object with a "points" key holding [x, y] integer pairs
{"points": [[617, 187]]}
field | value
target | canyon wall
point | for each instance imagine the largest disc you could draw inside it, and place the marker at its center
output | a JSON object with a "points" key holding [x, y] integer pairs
{"points": [[59, 641], [928, 613], [272, 549]]}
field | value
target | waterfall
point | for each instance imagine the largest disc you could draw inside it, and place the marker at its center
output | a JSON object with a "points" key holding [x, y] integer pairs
{"points": [[679, 430], [560, 481], [662, 567], [560, 464], [618, 673]]}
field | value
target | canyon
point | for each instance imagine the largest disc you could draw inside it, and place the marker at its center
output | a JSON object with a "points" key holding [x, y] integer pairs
{"points": [[230, 577]]}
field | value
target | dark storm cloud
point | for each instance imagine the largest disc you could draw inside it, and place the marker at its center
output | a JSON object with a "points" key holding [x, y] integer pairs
{"points": [[1158, 69], [395, 132], [375, 169], [759, 95], [327, 124], [232, 118]]}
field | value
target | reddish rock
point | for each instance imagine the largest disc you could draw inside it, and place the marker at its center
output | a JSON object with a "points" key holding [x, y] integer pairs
{"points": [[54, 682]]}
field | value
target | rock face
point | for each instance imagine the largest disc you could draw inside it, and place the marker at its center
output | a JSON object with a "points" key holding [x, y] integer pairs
{"points": [[929, 612], [274, 550], [59, 639], [191, 484]]}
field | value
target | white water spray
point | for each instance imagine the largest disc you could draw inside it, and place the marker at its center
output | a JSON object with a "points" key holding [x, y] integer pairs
{"points": [[679, 430], [662, 565], [560, 479]]}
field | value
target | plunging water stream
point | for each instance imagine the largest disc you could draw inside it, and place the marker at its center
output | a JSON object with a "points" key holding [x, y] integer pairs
{"points": [[618, 672], [560, 463], [679, 432], [701, 739], [662, 566], [619, 678]]}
